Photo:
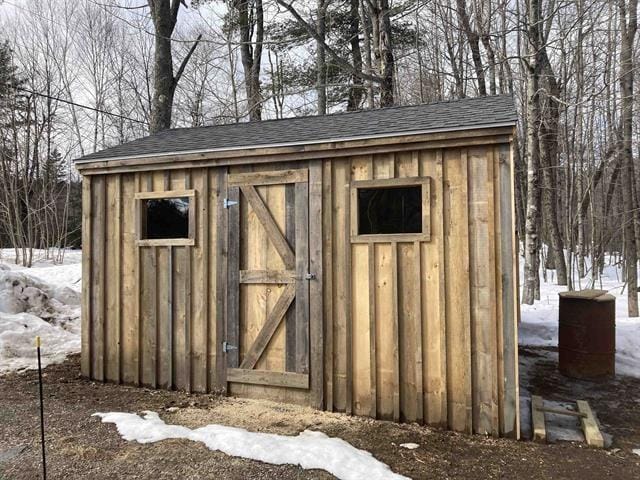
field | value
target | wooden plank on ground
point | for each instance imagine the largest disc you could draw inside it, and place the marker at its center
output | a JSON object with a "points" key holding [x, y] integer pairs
{"points": [[592, 433], [537, 420]]}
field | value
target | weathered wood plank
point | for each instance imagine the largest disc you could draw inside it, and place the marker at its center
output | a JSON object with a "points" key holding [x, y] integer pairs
{"points": [[163, 287], [328, 269], [316, 232], [537, 420], [456, 213], [233, 285], [267, 377], [361, 169], [396, 334], [98, 278], [373, 381], [290, 316], [188, 303], [87, 210], [267, 276], [222, 239], [270, 226], [148, 303], [275, 177], [302, 269], [508, 279], [273, 321], [114, 300], [482, 292], [130, 284], [592, 433]]}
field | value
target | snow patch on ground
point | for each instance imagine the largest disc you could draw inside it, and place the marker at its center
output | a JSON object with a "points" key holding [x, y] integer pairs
{"points": [[39, 301], [309, 449], [539, 326]]}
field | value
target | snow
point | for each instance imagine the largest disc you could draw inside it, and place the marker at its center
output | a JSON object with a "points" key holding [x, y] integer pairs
{"points": [[409, 446], [39, 301], [539, 326], [309, 449]]}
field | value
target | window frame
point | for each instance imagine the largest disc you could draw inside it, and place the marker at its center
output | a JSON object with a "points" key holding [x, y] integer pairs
{"points": [[165, 242], [423, 182]]}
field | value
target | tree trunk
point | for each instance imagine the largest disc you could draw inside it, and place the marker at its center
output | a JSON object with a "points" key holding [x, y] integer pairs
{"points": [[628, 30], [532, 219]]}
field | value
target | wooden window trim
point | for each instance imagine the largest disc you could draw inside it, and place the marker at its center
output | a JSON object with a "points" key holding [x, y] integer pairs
{"points": [[425, 236], [166, 242]]}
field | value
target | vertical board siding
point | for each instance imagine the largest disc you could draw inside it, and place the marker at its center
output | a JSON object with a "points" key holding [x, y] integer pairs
{"points": [[360, 308], [112, 272], [433, 297], [86, 316], [129, 347], [98, 267], [407, 330]]}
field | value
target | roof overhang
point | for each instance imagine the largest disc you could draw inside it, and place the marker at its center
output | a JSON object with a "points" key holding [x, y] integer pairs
{"points": [[491, 133]]}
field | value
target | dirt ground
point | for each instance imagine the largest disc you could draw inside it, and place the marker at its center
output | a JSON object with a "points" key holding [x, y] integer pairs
{"points": [[80, 446]]}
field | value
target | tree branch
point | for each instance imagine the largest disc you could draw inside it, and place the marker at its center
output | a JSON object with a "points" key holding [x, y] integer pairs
{"points": [[337, 58], [183, 65]]}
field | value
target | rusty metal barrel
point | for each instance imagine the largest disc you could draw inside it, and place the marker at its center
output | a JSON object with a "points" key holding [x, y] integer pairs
{"points": [[587, 335]]}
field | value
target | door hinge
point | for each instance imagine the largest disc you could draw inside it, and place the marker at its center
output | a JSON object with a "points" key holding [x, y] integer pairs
{"points": [[226, 347], [229, 203]]}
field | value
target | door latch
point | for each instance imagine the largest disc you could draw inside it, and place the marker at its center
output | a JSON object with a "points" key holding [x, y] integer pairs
{"points": [[226, 347], [228, 203], [310, 276]]}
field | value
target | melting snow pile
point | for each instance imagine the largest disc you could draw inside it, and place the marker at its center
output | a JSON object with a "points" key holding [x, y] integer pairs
{"points": [[539, 325], [41, 301], [309, 450]]}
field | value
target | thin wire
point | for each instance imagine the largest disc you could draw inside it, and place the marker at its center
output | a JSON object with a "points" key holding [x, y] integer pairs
{"points": [[80, 105]]}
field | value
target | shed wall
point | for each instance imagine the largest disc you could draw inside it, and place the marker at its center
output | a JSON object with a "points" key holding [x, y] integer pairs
{"points": [[413, 331]]}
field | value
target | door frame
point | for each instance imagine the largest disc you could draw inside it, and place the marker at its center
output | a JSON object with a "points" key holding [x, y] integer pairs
{"points": [[306, 177]]}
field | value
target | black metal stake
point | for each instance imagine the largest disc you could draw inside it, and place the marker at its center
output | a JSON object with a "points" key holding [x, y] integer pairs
{"points": [[44, 461]]}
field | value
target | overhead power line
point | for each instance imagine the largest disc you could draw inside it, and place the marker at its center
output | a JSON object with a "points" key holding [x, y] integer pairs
{"points": [[79, 105]]}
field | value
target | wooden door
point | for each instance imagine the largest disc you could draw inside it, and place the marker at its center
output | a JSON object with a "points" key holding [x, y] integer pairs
{"points": [[267, 330]]}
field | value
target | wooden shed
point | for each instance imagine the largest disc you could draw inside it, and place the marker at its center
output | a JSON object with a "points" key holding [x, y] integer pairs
{"points": [[359, 262]]}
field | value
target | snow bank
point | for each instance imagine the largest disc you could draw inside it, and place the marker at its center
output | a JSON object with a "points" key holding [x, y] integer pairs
{"points": [[40, 301], [539, 325], [309, 449]]}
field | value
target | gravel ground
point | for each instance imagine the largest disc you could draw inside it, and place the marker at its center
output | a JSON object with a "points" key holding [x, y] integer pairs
{"points": [[80, 446]]}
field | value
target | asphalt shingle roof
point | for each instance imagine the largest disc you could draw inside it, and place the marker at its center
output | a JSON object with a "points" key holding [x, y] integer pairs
{"points": [[452, 115]]}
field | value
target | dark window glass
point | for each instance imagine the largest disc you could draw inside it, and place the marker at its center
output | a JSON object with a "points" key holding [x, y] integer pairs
{"points": [[390, 210], [166, 218]]}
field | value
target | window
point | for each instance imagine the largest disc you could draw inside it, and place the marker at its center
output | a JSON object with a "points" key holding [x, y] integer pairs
{"points": [[389, 210], [394, 209], [166, 218]]}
